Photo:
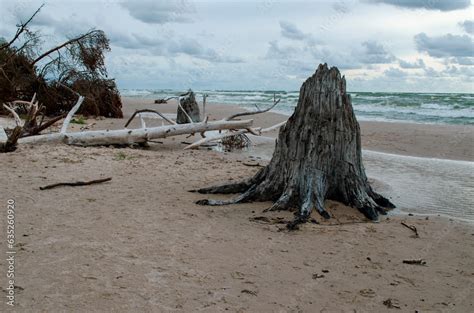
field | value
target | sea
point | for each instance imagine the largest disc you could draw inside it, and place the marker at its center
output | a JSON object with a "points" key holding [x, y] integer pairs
{"points": [[427, 108]]}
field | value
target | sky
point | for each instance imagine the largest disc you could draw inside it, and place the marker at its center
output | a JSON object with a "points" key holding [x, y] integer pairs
{"points": [[379, 45]]}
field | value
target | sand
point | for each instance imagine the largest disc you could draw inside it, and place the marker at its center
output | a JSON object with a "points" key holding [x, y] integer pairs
{"points": [[139, 244]]}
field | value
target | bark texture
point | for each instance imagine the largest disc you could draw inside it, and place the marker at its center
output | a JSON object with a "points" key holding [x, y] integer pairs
{"points": [[190, 105], [317, 157]]}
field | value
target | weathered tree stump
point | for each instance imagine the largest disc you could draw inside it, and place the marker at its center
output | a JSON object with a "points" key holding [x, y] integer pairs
{"points": [[317, 157], [191, 107]]}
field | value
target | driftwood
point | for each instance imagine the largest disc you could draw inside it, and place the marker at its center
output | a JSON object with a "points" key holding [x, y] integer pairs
{"points": [[415, 262], [78, 183], [148, 111], [143, 134], [317, 157], [275, 102], [255, 131], [9, 143], [412, 228], [29, 127], [68, 118], [132, 136]]}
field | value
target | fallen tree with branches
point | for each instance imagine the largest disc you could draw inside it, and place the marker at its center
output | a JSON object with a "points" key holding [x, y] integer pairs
{"points": [[77, 63], [27, 132]]}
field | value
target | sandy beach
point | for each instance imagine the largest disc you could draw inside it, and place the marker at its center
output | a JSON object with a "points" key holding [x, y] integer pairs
{"points": [[139, 243]]}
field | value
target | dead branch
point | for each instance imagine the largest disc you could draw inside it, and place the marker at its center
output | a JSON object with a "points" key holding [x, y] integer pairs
{"points": [[15, 115], [44, 126], [412, 228], [275, 102], [10, 143], [69, 42], [149, 111], [78, 183], [415, 262], [255, 131], [74, 109], [21, 28], [159, 101]]}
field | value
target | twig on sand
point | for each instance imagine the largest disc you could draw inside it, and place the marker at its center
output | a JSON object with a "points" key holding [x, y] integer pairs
{"points": [[78, 183], [412, 228], [415, 262]]}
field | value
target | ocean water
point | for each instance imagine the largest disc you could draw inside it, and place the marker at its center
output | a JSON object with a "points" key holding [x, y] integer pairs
{"points": [[431, 108]]}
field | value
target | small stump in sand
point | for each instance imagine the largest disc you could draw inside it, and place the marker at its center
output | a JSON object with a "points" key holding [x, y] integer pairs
{"points": [[190, 105]]}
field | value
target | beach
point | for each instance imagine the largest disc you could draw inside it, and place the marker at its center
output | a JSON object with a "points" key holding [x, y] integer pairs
{"points": [[139, 243]]}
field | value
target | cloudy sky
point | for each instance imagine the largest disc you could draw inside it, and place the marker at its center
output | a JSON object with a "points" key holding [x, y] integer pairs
{"points": [[380, 45]]}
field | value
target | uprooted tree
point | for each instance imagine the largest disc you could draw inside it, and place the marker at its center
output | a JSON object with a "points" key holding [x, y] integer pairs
{"points": [[76, 64], [317, 157]]}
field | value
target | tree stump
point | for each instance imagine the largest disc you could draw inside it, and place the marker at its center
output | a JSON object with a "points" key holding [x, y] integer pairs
{"points": [[317, 157], [191, 107]]}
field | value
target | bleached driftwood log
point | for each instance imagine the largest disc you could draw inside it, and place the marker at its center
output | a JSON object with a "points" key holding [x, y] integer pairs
{"points": [[131, 136], [144, 134]]}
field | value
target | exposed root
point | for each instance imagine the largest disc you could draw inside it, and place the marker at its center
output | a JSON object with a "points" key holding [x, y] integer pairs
{"points": [[226, 188], [244, 197], [381, 201]]}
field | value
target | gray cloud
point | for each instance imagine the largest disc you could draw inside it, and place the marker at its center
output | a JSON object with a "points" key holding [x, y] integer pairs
{"points": [[343, 61], [441, 5], [394, 72], [467, 71], [445, 46], [276, 51], [170, 47], [406, 64], [160, 11], [462, 60], [374, 53], [291, 31], [468, 26]]}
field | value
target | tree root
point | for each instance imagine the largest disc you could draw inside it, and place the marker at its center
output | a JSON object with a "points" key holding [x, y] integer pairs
{"points": [[306, 198]]}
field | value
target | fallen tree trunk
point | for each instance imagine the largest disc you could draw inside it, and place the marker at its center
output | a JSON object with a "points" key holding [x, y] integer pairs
{"points": [[317, 157], [131, 136]]}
